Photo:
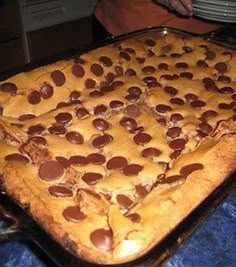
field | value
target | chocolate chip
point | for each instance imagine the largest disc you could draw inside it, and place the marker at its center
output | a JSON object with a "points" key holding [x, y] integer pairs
{"points": [[96, 158], [132, 169], [210, 55], [100, 110], [161, 121], [148, 69], [161, 108], [58, 77], [134, 217], [96, 94], [178, 144], [142, 138], [166, 49], [224, 78], [106, 61], [171, 90], [163, 66], [90, 83], [132, 111], [187, 75], [74, 95], [233, 97], [91, 178], [177, 101], [175, 55], [102, 239], [137, 130], [129, 123], [82, 113], [63, 117], [26, 117], [78, 70], [130, 72], [174, 132], [74, 137], [209, 84], [107, 89], [221, 67], [150, 42], [63, 161], [198, 104], [176, 117], [141, 191], [116, 104], [124, 201], [79, 60], [202, 64], [34, 97], [102, 140], [60, 191], [132, 98], [119, 70], [191, 97], [36, 129], [209, 114], [17, 158], [96, 69], [78, 160], [101, 124], [225, 106], [39, 140], [175, 154], [73, 214], [125, 55], [57, 129], [151, 82], [50, 170], [187, 49], [188, 169], [117, 163], [140, 60], [181, 65], [130, 50], [62, 104], [9, 88], [151, 152], [46, 91], [226, 90], [1, 110], [171, 179], [205, 128]]}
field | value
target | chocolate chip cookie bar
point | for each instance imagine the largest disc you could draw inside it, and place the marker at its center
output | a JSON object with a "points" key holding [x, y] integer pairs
{"points": [[111, 150]]}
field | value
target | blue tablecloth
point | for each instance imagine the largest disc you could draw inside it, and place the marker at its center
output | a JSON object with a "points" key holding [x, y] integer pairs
{"points": [[213, 245]]}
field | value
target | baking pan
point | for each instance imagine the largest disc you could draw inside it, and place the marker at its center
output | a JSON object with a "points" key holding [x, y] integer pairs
{"points": [[16, 221]]}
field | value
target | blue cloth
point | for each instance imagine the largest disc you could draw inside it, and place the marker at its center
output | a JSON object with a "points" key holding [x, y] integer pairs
{"points": [[213, 245]]}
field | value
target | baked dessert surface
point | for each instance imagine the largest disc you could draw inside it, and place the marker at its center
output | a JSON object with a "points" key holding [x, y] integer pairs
{"points": [[113, 149]]}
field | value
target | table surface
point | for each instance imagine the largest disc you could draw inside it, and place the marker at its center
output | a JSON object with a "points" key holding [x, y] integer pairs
{"points": [[213, 245]]}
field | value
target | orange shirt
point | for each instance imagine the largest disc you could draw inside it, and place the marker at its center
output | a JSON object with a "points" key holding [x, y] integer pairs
{"points": [[122, 16]]}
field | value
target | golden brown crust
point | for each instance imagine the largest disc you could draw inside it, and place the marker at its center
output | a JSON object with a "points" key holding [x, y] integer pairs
{"points": [[127, 135]]}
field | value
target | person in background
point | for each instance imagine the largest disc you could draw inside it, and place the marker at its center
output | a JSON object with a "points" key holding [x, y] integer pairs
{"points": [[116, 17]]}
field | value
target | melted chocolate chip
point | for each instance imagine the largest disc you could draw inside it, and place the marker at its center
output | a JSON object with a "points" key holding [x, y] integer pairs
{"points": [[174, 132], [210, 55], [74, 137], [101, 124], [100, 110], [187, 75], [102, 140], [135, 90], [202, 64], [39, 140], [46, 91], [166, 49], [150, 42], [188, 169], [125, 55], [102, 239], [82, 113], [142, 138], [73, 214], [198, 104], [26, 117], [36, 129], [162, 121], [171, 90], [78, 160], [163, 66], [209, 84], [181, 65], [50, 170], [132, 169], [205, 128], [209, 114], [90, 84], [116, 104], [60, 191], [176, 117], [171, 179], [9, 88], [91, 178], [17, 158], [117, 163], [141, 191], [63, 161], [96, 94], [132, 98], [134, 217], [226, 90], [96, 158], [221, 67], [177, 101], [57, 129], [148, 69], [78, 70], [74, 95], [129, 123], [187, 49], [96, 69], [151, 152], [191, 97], [106, 61], [34, 97], [124, 201], [161, 108], [130, 72], [178, 144], [58, 77], [63, 117], [132, 111]]}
